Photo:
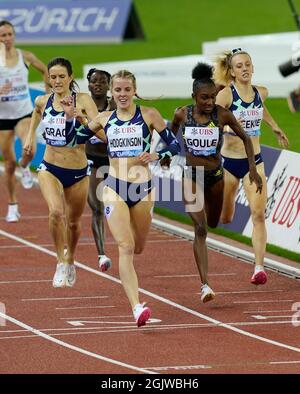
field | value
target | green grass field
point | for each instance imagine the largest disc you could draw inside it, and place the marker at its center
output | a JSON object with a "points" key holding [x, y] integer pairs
{"points": [[175, 28]]}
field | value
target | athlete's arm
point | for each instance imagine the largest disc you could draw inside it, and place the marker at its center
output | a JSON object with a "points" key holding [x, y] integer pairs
{"points": [[77, 133], [34, 122], [156, 122], [270, 121], [36, 63], [178, 119]]}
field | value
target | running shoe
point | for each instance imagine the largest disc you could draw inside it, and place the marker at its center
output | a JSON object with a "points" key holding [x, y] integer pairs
{"points": [[13, 214], [104, 263], [259, 277], [141, 314], [26, 179], [71, 277], [206, 293], [61, 275]]}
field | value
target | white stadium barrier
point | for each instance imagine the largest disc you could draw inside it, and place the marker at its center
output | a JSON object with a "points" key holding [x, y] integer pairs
{"points": [[171, 76], [268, 51]]}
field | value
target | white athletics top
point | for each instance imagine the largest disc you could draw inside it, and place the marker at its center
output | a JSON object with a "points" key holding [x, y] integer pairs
{"points": [[16, 103]]}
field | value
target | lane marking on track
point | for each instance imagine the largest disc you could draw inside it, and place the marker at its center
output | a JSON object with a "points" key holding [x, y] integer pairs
{"points": [[285, 362], [180, 367], [62, 298], [96, 317], [72, 347], [122, 329], [271, 311], [217, 365], [261, 317], [88, 244], [88, 307], [189, 275], [248, 291], [261, 301], [14, 282], [82, 329], [80, 323], [114, 330], [162, 299]]}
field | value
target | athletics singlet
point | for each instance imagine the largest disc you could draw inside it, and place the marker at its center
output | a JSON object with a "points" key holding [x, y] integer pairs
{"points": [[17, 102]]}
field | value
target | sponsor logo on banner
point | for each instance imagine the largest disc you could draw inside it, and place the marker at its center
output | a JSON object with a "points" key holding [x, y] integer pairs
{"points": [[67, 21], [283, 204]]}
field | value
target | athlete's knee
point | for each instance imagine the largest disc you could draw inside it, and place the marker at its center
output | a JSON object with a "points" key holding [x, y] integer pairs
{"points": [[10, 166], [74, 225], [200, 230], [126, 247], [258, 216], [56, 215], [96, 207]]}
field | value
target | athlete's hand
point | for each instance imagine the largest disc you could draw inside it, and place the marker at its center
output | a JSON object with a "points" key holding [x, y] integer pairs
{"points": [[256, 178], [282, 138], [28, 145], [68, 106], [82, 119], [147, 158]]}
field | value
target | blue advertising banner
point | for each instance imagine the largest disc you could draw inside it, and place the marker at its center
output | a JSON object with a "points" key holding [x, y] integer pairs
{"points": [[46, 21]]}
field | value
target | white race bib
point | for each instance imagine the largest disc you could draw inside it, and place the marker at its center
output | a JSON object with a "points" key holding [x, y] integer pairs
{"points": [[126, 140], [54, 129], [250, 119], [202, 141]]}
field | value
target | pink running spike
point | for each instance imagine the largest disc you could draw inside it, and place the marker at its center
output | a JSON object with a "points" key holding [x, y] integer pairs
{"points": [[144, 316], [259, 278]]}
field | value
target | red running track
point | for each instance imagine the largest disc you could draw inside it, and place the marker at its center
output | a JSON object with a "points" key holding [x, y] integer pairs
{"points": [[90, 329]]}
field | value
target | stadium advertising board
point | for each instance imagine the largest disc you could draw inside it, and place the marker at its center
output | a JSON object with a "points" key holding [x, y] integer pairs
{"points": [[283, 206], [46, 21]]}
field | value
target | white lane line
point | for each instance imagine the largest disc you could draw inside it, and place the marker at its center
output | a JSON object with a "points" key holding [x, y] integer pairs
{"points": [[181, 367], [189, 275], [154, 326], [82, 323], [45, 245], [164, 300], [69, 346], [271, 311], [4, 282], [62, 298], [285, 362], [86, 244], [88, 307], [118, 330], [261, 301], [260, 317], [87, 215], [249, 291], [95, 317]]}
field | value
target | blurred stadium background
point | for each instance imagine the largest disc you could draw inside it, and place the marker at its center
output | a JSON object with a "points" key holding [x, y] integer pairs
{"points": [[180, 28]]}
